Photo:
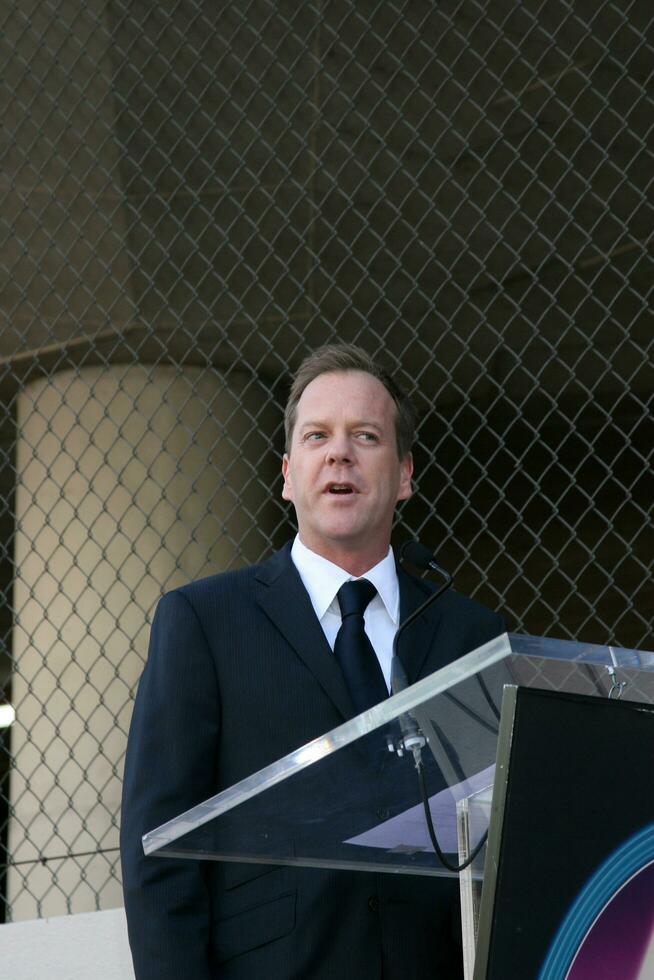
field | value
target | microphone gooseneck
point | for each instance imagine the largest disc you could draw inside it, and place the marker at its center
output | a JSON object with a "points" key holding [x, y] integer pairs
{"points": [[416, 554], [413, 739]]}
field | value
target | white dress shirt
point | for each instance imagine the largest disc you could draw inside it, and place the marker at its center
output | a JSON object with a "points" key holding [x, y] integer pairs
{"points": [[322, 579]]}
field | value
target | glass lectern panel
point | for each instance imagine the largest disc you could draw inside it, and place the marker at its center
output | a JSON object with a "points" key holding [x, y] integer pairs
{"points": [[351, 798]]}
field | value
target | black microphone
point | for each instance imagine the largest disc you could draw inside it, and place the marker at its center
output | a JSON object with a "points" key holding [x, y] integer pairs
{"points": [[416, 554]]}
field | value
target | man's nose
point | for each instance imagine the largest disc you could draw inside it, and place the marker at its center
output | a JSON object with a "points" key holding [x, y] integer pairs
{"points": [[339, 449]]}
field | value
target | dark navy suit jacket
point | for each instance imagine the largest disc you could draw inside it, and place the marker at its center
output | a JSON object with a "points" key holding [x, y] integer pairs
{"points": [[239, 674]]}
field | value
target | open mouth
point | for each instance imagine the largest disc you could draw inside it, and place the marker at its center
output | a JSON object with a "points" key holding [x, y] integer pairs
{"points": [[340, 489]]}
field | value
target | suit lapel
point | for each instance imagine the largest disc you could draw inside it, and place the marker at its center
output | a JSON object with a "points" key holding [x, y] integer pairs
{"points": [[416, 643], [285, 601]]}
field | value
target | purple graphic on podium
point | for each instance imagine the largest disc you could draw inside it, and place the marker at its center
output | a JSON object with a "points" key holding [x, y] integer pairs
{"points": [[608, 931], [620, 943]]}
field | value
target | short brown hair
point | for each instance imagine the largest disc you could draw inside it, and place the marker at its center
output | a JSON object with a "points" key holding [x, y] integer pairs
{"points": [[348, 357]]}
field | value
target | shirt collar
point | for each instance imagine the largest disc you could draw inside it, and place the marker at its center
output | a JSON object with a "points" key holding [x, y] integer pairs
{"points": [[322, 579]]}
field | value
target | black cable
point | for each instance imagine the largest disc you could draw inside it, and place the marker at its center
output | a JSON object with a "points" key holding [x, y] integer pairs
{"points": [[470, 712], [43, 859], [432, 833], [489, 700]]}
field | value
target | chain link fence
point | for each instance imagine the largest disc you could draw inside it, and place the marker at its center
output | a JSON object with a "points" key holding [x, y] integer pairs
{"points": [[194, 196]]}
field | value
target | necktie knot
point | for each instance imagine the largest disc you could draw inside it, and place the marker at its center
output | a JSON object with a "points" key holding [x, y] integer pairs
{"points": [[353, 597]]}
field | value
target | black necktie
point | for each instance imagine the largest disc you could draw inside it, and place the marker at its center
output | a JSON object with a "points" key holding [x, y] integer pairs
{"points": [[353, 649]]}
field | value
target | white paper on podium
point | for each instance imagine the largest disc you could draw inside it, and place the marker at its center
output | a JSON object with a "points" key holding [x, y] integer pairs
{"points": [[408, 832]]}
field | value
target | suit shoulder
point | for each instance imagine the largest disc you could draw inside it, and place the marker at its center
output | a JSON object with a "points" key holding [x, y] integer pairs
{"points": [[474, 623], [457, 610], [224, 597], [454, 602], [465, 606], [236, 580]]}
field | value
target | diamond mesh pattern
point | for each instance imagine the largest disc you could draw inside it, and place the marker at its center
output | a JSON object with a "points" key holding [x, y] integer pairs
{"points": [[194, 196]]}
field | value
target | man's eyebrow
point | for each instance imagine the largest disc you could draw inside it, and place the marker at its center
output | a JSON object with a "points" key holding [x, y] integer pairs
{"points": [[358, 423]]}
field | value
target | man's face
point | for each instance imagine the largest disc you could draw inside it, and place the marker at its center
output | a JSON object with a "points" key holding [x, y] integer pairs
{"points": [[343, 474]]}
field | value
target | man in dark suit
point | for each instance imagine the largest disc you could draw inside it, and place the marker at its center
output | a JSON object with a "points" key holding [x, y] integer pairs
{"points": [[246, 666]]}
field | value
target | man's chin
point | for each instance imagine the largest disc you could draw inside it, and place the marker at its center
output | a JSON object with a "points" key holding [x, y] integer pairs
{"points": [[344, 532]]}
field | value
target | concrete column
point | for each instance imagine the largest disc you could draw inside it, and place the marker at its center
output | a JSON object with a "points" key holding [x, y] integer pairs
{"points": [[131, 480]]}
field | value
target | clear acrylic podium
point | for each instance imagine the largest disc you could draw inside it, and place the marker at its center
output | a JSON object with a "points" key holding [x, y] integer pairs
{"points": [[350, 799]]}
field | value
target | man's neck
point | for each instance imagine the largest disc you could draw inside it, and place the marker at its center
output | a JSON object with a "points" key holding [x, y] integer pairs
{"points": [[355, 563]]}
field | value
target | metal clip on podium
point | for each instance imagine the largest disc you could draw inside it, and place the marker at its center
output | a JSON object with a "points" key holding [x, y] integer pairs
{"points": [[351, 800]]}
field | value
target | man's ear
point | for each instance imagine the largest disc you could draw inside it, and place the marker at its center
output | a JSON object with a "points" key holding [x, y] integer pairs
{"points": [[287, 492], [406, 472]]}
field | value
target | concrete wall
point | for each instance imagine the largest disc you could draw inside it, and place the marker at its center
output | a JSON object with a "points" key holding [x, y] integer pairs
{"points": [[89, 946], [131, 481]]}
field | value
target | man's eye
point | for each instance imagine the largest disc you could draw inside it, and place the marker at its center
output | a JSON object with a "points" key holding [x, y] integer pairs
{"points": [[312, 436], [368, 436]]}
